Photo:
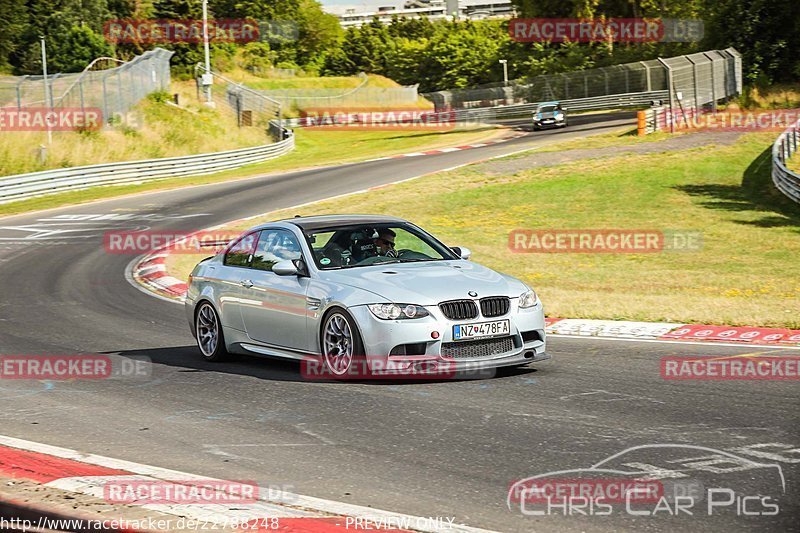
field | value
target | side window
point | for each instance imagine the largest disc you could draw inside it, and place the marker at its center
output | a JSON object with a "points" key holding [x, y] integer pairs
{"points": [[275, 246], [239, 253]]}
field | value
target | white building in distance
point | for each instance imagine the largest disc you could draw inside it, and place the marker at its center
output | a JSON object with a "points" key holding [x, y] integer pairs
{"points": [[432, 9]]}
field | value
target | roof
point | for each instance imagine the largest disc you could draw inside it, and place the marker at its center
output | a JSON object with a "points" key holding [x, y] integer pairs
{"points": [[324, 221]]}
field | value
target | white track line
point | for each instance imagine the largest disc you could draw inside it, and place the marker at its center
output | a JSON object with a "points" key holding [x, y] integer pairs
{"points": [[669, 341]]}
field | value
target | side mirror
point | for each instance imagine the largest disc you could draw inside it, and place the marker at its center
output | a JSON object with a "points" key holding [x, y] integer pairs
{"points": [[285, 268], [463, 253]]}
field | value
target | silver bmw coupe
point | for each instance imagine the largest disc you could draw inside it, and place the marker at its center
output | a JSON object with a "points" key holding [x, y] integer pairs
{"points": [[344, 290]]}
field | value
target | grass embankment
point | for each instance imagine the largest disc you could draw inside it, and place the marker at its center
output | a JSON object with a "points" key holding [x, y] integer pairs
{"points": [[314, 148], [745, 273], [308, 82], [157, 130], [345, 92]]}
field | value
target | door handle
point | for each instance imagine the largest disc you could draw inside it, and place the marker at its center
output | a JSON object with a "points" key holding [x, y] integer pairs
{"points": [[246, 283]]}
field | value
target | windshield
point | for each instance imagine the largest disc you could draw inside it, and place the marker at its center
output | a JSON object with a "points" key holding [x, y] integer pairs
{"points": [[547, 109], [364, 245]]}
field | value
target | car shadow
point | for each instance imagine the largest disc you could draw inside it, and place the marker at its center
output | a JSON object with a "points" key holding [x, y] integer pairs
{"points": [[188, 359]]}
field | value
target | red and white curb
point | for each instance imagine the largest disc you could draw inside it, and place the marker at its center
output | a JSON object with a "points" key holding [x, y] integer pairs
{"points": [[88, 474], [151, 272], [674, 331], [450, 149]]}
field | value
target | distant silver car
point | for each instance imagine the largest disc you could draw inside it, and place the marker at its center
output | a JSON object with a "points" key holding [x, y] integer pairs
{"points": [[349, 288], [549, 115]]}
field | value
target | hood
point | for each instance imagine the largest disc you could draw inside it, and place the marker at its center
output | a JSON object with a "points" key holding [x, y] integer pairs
{"points": [[427, 283]]}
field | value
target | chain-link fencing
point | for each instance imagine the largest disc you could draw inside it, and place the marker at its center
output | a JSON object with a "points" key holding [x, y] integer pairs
{"points": [[363, 95], [693, 80], [249, 107], [114, 91]]}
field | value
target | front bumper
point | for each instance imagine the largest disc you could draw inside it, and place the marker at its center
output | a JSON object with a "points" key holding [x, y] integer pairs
{"points": [[409, 346], [549, 123]]}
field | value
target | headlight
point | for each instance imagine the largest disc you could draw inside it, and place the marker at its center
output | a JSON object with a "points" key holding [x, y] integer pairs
{"points": [[559, 116], [528, 299], [397, 311], [538, 116]]}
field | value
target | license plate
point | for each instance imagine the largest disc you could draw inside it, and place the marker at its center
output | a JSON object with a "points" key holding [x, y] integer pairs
{"points": [[481, 329], [548, 120]]}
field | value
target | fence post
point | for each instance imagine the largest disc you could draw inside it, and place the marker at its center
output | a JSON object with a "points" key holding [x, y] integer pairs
{"points": [[646, 76], [19, 93], [694, 85], [51, 82], [80, 91], [713, 82], [105, 100], [671, 95]]}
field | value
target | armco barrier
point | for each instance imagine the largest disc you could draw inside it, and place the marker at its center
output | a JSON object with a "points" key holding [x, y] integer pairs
{"points": [[491, 114], [23, 186], [786, 144], [615, 101]]}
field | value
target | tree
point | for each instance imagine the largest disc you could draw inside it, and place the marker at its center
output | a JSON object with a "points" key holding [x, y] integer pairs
{"points": [[765, 32], [14, 18]]}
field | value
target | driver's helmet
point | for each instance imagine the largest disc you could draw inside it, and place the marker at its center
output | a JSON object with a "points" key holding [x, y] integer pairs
{"points": [[363, 246]]}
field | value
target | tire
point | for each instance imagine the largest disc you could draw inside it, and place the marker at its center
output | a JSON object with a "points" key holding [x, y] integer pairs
{"points": [[341, 346], [208, 333]]}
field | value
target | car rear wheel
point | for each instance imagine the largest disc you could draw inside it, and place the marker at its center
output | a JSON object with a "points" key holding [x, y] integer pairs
{"points": [[208, 333], [342, 349]]}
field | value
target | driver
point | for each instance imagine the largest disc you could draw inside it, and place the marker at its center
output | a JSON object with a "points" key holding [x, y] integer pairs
{"points": [[384, 243]]}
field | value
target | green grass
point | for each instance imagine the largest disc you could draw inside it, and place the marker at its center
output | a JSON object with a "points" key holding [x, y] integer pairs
{"points": [[160, 131], [745, 274], [626, 137], [793, 163], [313, 148], [307, 82]]}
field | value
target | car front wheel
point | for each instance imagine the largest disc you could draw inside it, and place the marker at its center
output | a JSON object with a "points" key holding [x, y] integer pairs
{"points": [[342, 349], [208, 333]]}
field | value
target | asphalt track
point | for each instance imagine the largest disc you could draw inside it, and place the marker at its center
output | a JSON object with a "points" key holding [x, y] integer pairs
{"points": [[427, 449]]}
